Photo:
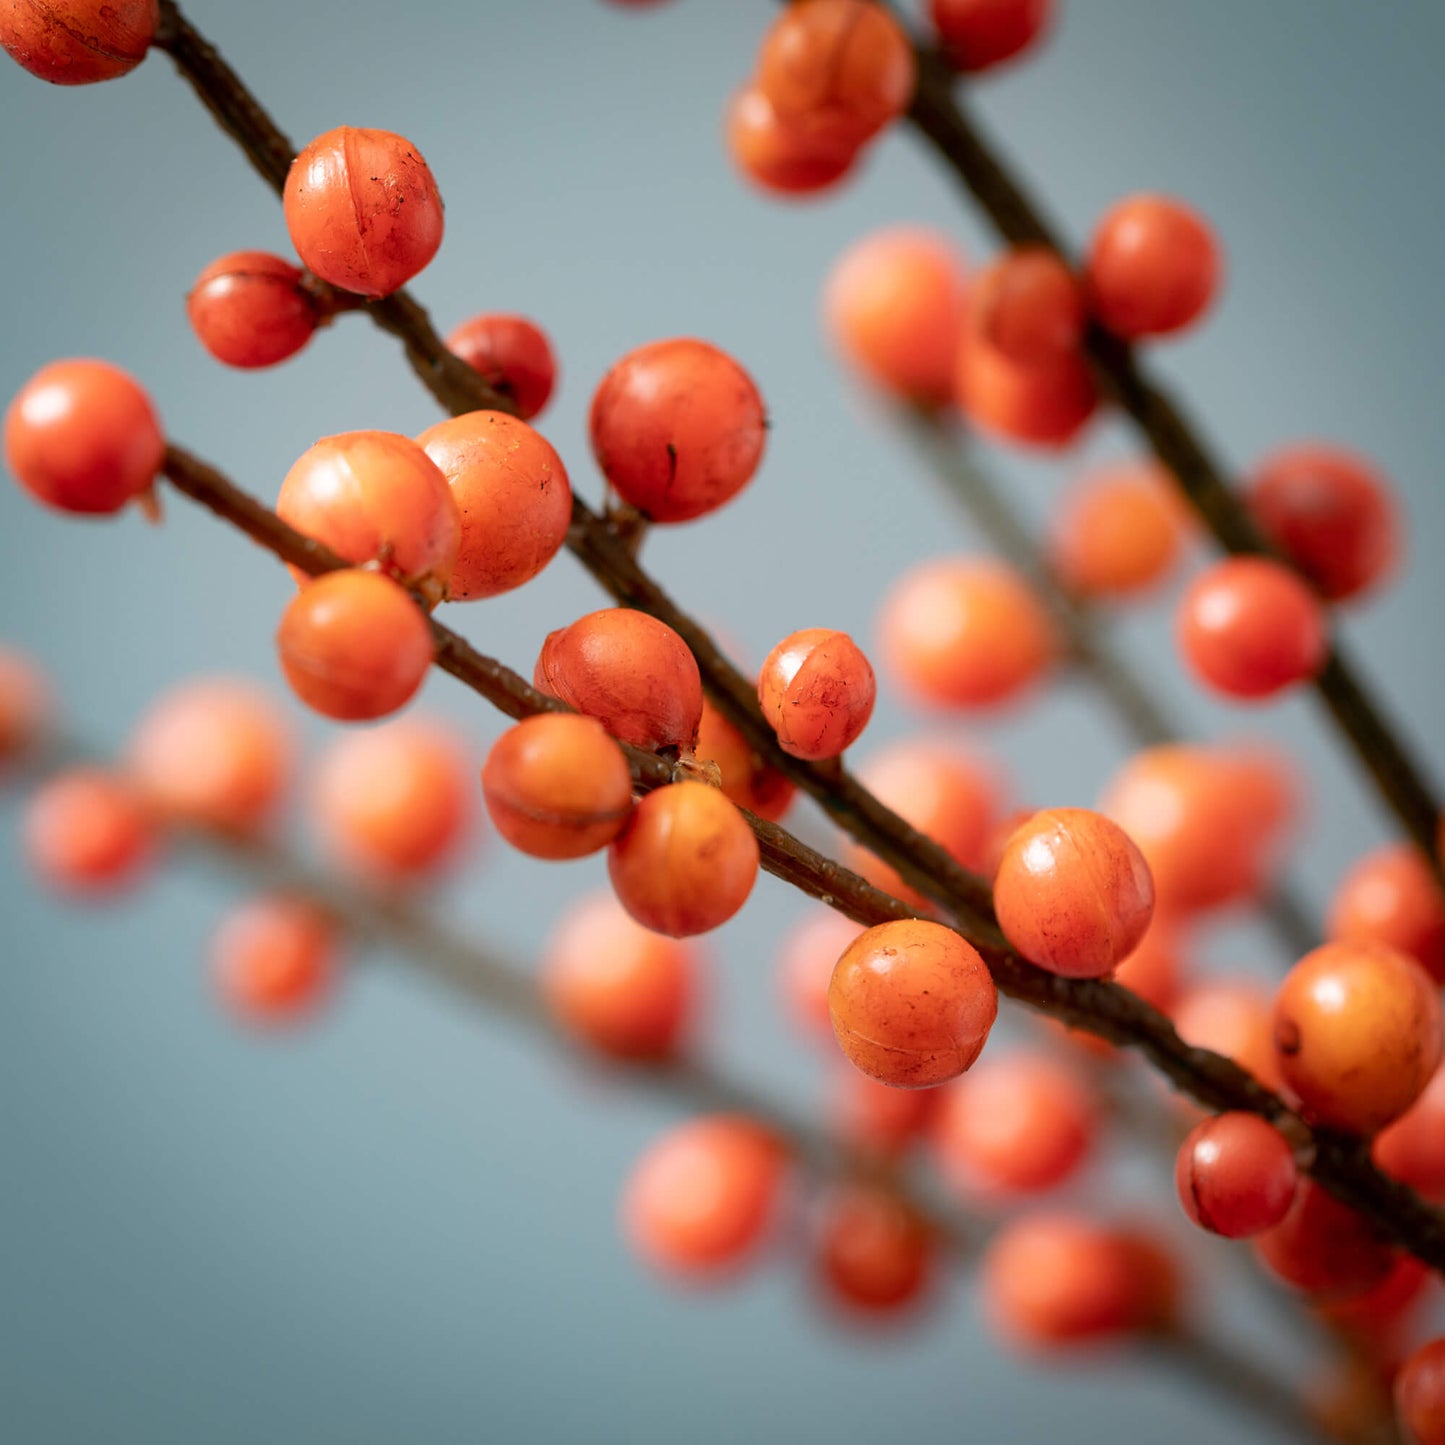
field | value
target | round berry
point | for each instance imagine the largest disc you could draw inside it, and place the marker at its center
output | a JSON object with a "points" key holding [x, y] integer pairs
{"points": [[816, 690], [749, 781], [1325, 1248], [78, 42], [1420, 1394], [1236, 1175], [805, 967], [1119, 532], [1233, 1018], [275, 960], [979, 34], [874, 1118], [799, 158], [1413, 1147], [87, 832], [1391, 897], [876, 1252], [513, 354], [249, 309]]}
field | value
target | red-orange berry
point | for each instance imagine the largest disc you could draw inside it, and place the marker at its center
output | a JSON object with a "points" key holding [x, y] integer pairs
{"points": [[749, 781], [1420, 1394], [249, 309], [82, 436], [677, 428], [845, 61], [875, 1118], [25, 705], [1390, 896], [394, 802], [557, 786], [514, 498], [912, 1003], [214, 751], [88, 832], [702, 1198], [894, 305], [1153, 267], [376, 496], [363, 210], [1233, 1017], [1357, 1028], [876, 1252], [1413, 1147], [354, 646], [617, 987], [816, 689], [1236, 1175], [1248, 628], [634, 674], [685, 862], [979, 34], [1324, 1247], [805, 967], [78, 42], [1118, 532], [1073, 892], [275, 961], [794, 159], [513, 354], [965, 633]]}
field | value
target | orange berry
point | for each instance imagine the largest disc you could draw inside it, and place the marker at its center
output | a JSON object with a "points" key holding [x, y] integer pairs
{"points": [[874, 1118], [513, 354], [1413, 1147], [798, 158], [616, 986], [275, 960], [1357, 1029], [393, 801], [1017, 1124], [965, 633], [1153, 267], [894, 305], [746, 778], [1325, 1248], [1118, 532], [249, 309], [87, 832], [514, 498], [1332, 514], [845, 61], [1154, 969], [876, 1252], [1248, 628], [25, 705], [685, 862], [816, 690], [702, 1198], [805, 967], [979, 34], [912, 1003], [1420, 1394], [557, 786], [1073, 893], [374, 496], [1233, 1018], [213, 751], [78, 42], [1236, 1175], [82, 436], [634, 674], [677, 428], [354, 646], [1390, 896], [363, 210]]}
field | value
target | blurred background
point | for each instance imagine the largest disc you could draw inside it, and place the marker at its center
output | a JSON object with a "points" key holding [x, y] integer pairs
{"points": [[401, 1223]]}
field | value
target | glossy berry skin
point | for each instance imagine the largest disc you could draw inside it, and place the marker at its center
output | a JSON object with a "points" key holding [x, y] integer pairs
{"points": [[1390, 896], [87, 832], [685, 862], [1236, 1175], [1412, 1149], [979, 34], [213, 751], [1073, 892], [363, 210], [1357, 1029], [876, 1254], [701, 1200], [25, 706], [513, 494], [394, 803], [874, 1118], [1020, 1123], [249, 309], [78, 42], [678, 429], [894, 307], [912, 1003], [275, 961], [1118, 533], [82, 436], [746, 778], [354, 646], [848, 62], [1325, 1248], [806, 958], [635, 675], [1249, 628], [1153, 267], [792, 160], [1332, 514], [513, 354], [376, 496], [816, 689], [965, 633], [1420, 1394], [557, 786], [617, 987]]}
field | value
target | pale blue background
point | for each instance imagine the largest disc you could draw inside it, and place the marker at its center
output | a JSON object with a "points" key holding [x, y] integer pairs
{"points": [[400, 1226]]}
